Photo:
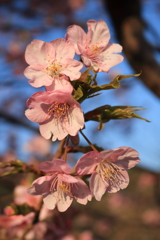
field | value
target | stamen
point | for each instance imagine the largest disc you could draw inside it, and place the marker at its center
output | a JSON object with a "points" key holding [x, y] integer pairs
{"points": [[109, 171], [54, 68], [59, 111], [63, 189]]}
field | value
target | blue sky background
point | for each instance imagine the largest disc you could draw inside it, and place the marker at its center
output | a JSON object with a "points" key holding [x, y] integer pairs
{"points": [[135, 133]]}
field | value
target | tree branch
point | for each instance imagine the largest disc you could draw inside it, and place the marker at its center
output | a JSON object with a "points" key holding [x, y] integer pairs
{"points": [[126, 17]]}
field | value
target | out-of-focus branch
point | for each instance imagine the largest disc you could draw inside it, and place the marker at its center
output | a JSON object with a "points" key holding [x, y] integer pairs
{"points": [[126, 18], [17, 121]]}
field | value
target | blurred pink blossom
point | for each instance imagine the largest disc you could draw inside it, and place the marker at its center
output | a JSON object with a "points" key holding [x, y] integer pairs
{"points": [[15, 226], [9, 211], [69, 237], [38, 145], [76, 4], [94, 47], [151, 217], [117, 202], [21, 196], [59, 188], [57, 112], [86, 235], [108, 169], [45, 213], [37, 232], [146, 180]]}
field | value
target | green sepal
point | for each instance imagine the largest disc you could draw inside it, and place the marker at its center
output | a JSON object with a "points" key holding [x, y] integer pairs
{"points": [[78, 93], [105, 113], [112, 85], [86, 77], [84, 89]]}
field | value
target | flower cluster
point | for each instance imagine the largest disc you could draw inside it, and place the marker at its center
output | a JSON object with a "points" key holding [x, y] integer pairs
{"points": [[108, 173], [52, 65], [59, 114]]}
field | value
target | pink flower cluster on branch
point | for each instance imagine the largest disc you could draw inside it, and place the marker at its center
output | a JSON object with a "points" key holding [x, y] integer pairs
{"points": [[59, 114], [52, 65], [108, 173]]}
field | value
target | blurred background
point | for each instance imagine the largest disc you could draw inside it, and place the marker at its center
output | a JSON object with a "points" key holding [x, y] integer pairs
{"points": [[133, 213]]}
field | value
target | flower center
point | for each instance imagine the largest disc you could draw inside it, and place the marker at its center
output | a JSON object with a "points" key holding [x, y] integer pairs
{"points": [[109, 171], [95, 49], [54, 69], [59, 111], [62, 188]]}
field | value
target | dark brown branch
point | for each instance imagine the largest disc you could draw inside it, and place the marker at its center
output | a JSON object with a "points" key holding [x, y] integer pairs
{"points": [[126, 18]]}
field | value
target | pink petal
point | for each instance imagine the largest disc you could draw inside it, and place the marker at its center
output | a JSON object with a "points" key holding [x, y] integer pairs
{"points": [[67, 178], [112, 155], [39, 52], [38, 76], [87, 163], [72, 69], [76, 35], [50, 200], [75, 121], [54, 129], [60, 96], [120, 182], [64, 203], [57, 165], [36, 114], [81, 192], [54, 96], [60, 84], [98, 32], [108, 60], [128, 159], [86, 61], [97, 186], [113, 48], [41, 185], [64, 49]]}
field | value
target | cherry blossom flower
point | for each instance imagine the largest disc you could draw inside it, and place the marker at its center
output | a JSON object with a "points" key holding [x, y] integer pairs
{"points": [[108, 169], [57, 112], [59, 188], [94, 46], [51, 62]]}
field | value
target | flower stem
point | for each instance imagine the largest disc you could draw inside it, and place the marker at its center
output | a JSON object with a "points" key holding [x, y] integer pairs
{"points": [[66, 149], [59, 152], [91, 145]]}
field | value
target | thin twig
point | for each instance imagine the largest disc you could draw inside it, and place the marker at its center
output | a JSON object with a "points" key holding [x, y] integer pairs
{"points": [[92, 146]]}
